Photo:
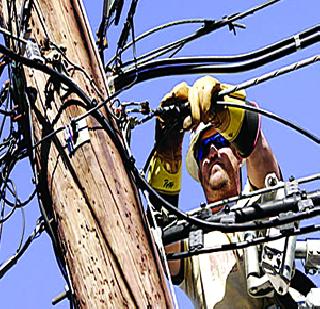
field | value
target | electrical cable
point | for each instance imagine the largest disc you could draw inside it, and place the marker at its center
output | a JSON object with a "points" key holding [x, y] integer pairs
{"points": [[294, 40], [208, 28], [123, 38], [245, 244], [23, 229], [14, 259], [153, 70], [275, 117], [93, 109], [10, 35], [158, 28], [263, 78]]}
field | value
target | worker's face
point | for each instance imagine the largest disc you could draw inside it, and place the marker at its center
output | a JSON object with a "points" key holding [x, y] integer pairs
{"points": [[219, 171]]}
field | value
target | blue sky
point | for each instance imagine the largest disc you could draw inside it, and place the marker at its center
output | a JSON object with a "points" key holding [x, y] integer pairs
{"points": [[35, 280]]}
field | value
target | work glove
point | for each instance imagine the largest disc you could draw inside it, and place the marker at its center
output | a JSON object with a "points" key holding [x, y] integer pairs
{"points": [[200, 97], [165, 166], [171, 144], [237, 125]]}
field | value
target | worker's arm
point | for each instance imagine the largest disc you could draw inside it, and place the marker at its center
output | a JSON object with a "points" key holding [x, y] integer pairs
{"points": [[165, 166], [261, 162]]}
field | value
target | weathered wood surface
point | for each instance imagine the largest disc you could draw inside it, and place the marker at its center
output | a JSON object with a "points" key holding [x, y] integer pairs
{"points": [[99, 224]]}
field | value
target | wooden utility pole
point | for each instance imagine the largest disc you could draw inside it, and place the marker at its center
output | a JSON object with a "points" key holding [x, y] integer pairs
{"points": [[98, 222]]}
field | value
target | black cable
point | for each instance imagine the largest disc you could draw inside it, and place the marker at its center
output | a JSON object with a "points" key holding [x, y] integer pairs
{"points": [[158, 28], [14, 259], [126, 27], [295, 40], [1, 217], [23, 228], [45, 69], [208, 28], [25, 14], [245, 244], [153, 69], [21, 204], [275, 117]]}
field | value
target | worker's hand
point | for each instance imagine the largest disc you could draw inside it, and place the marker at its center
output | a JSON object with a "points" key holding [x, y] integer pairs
{"points": [[165, 166], [170, 137], [201, 97], [179, 94]]}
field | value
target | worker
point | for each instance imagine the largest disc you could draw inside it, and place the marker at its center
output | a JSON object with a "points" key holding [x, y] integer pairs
{"points": [[222, 139]]}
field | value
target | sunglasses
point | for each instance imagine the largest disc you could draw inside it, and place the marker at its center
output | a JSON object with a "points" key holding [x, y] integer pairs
{"points": [[204, 145]]}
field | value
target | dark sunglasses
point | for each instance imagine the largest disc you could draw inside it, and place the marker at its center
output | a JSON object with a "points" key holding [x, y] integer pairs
{"points": [[204, 145]]}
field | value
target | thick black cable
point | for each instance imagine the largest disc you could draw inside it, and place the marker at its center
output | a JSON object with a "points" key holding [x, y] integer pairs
{"points": [[222, 227], [292, 40], [45, 69], [136, 173], [153, 70], [245, 244]]}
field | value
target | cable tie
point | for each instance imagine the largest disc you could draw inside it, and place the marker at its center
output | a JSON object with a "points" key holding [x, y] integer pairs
{"points": [[297, 41]]}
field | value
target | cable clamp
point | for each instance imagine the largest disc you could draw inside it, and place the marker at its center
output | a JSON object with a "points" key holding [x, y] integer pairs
{"points": [[33, 52], [76, 134], [297, 41], [195, 240], [291, 188]]}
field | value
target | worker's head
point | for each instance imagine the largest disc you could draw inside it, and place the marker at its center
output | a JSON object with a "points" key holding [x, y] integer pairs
{"points": [[213, 162]]}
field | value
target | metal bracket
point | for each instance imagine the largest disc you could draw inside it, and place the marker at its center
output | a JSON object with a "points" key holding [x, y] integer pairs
{"points": [[229, 218], [195, 240], [291, 188], [33, 52], [76, 134], [304, 205], [277, 261]]}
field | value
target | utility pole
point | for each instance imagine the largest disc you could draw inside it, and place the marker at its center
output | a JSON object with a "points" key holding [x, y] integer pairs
{"points": [[98, 223]]}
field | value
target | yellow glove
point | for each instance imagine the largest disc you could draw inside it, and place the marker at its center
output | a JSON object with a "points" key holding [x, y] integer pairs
{"points": [[200, 98], [237, 125], [165, 166]]}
